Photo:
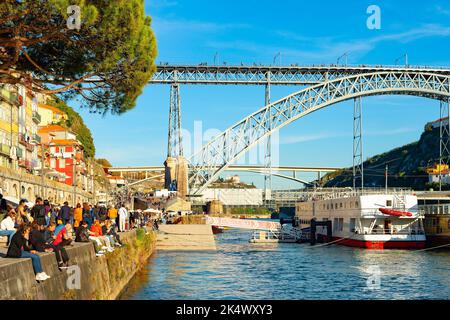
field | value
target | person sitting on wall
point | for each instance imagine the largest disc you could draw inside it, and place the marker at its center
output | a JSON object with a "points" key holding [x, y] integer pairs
{"points": [[21, 210], [83, 234], [19, 248], [37, 238], [62, 235], [60, 252], [110, 231], [96, 229], [7, 226]]}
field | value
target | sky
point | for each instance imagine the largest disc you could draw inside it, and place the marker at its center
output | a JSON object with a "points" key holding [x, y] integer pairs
{"points": [[303, 32]]}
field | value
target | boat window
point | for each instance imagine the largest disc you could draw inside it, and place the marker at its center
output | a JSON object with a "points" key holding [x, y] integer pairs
{"points": [[352, 225], [341, 224], [388, 203]]}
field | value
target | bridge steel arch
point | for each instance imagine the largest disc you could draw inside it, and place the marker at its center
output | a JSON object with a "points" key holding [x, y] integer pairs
{"points": [[227, 147]]}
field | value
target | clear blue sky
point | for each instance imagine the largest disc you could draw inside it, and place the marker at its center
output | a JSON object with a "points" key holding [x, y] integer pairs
{"points": [[305, 32]]}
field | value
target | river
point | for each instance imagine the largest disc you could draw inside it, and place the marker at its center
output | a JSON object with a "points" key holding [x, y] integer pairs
{"points": [[242, 270]]}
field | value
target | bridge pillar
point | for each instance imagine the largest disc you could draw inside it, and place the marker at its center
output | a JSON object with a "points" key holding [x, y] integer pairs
{"points": [[268, 155], [176, 175], [444, 137], [358, 168], [175, 143]]}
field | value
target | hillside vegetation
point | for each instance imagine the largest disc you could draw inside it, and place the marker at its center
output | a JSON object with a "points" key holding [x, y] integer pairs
{"points": [[406, 165], [76, 124]]}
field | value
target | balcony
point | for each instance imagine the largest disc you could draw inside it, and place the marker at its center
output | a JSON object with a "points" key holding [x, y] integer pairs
{"points": [[36, 117], [5, 149], [36, 139], [25, 164], [19, 153], [25, 141], [11, 97]]}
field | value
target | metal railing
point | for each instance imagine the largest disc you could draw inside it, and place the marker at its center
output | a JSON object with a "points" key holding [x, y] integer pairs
{"points": [[5, 149], [435, 209], [405, 231], [36, 138], [36, 117]]}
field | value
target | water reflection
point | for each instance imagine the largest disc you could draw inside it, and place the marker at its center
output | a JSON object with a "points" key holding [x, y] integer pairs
{"points": [[241, 270]]}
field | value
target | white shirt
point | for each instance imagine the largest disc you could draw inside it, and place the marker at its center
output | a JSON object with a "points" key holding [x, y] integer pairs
{"points": [[122, 212], [7, 224]]}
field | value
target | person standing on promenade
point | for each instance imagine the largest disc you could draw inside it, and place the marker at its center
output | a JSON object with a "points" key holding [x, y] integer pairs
{"points": [[64, 213], [19, 248], [87, 214], [38, 212], [122, 217], [48, 209], [77, 216], [112, 213]]}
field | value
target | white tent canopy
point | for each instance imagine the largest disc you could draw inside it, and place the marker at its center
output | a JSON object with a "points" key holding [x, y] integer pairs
{"points": [[15, 202]]}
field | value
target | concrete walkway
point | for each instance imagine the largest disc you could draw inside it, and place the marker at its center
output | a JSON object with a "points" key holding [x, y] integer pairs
{"points": [[185, 237]]}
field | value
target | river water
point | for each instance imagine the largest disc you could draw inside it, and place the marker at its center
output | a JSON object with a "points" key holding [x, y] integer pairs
{"points": [[242, 270]]}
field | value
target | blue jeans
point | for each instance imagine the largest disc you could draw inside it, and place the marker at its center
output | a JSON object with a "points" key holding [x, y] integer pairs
{"points": [[7, 233], [35, 260]]}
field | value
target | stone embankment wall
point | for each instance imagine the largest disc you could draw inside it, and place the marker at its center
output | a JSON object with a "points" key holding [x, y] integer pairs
{"points": [[102, 277]]}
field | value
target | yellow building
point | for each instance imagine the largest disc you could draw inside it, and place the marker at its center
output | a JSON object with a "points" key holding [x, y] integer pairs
{"points": [[10, 102], [19, 119], [50, 115]]}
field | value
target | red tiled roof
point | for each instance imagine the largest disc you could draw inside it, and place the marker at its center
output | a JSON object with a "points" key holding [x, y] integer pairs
{"points": [[50, 128], [54, 109]]}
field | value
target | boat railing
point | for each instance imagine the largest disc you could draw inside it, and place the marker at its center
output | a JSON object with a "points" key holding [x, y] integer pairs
{"points": [[405, 231], [435, 209], [349, 192]]}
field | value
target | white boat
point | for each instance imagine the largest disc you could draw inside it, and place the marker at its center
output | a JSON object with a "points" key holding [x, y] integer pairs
{"points": [[376, 219]]}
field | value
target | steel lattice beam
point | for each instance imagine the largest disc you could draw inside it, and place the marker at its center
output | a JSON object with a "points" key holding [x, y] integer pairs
{"points": [[211, 160], [257, 75]]}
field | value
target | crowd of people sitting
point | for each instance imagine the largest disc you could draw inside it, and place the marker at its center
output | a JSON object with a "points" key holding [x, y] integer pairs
{"points": [[44, 227]]}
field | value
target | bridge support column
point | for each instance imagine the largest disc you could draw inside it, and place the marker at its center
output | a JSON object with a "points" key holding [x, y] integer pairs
{"points": [[176, 175], [444, 137], [175, 145], [268, 151], [358, 168]]}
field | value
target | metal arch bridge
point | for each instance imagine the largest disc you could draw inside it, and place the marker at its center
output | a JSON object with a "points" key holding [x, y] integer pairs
{"points": [[227, 147]]}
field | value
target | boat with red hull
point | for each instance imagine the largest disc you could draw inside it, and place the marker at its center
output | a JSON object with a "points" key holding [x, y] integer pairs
{"points": [[372, 219]]}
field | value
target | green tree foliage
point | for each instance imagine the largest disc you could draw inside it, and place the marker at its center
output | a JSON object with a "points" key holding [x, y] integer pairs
{"points": [[104, 163], [76, 124], [106, 63]]}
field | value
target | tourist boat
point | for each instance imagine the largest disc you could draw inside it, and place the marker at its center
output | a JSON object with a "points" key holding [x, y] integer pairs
{"points": [[377, 219]]}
